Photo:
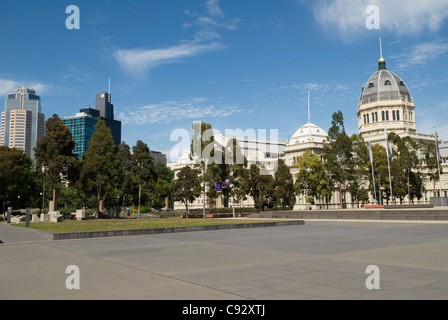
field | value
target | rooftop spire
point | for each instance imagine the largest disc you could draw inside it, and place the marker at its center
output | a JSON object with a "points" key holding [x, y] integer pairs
{"points": [[381, 62], [309, 110]]}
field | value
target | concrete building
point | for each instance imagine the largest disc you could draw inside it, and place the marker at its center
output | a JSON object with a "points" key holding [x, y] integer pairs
{"points": [[22, 122], [158, 157]]}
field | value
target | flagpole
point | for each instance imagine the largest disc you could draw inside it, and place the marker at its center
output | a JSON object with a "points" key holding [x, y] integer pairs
{"points": [[438, 167], [373, 172], [388, 164]]}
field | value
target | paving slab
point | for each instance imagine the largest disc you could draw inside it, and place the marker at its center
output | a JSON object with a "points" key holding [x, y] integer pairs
{"points": [[318, 260]]}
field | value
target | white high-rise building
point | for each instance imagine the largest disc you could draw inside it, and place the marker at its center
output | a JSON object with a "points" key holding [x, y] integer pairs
{"points": [[22, 122]]}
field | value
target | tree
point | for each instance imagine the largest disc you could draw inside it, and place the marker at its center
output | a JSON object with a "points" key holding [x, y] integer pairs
{"points": [[283, 186], [361, 168], [238, 174], [312, 180], [429, 162], [380, 170], [142, 168], [202, 150], [100, 165], [338, 156], [187, 186], [404, 161], [162, 195], [124, 182], [54, 153], [261, 187], [15, 171]]}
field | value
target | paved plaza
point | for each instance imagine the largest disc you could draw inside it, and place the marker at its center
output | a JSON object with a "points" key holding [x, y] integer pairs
{"points": [[318, 260]]}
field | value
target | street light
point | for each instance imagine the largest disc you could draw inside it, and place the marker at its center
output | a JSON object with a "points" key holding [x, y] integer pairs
{"points": [[18, 202]]}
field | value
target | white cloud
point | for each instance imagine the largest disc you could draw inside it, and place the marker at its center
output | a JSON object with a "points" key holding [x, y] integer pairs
{"points": [[348, 17], [206, 38], [213, 8], [421, 54], [8, 86], [139, 61], [171, 111]]}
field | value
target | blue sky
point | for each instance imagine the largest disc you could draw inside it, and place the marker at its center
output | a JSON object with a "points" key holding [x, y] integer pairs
{"points": [[237, 64]]}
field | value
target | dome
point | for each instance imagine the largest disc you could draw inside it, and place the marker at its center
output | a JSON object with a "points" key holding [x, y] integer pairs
{"points": [[384, 85], [309, 133]]}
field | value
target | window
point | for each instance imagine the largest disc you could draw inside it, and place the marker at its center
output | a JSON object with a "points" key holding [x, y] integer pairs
{"points": [[382, 116], [364, 119], [398, 115], [387, 83], [371, 85], [393, 115], [401, 83], [387, 115], [373, 117], [368, 118]]}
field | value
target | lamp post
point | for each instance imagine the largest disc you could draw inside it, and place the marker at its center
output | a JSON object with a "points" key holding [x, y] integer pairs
{"points": [[18, 202]]}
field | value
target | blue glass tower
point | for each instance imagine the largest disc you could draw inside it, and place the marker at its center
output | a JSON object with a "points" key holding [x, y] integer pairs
{"points": [[82, 127]]}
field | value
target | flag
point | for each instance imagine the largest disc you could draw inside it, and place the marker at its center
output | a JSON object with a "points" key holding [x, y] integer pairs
{"points": [[370, 152], [389, 153], [437, 147]]}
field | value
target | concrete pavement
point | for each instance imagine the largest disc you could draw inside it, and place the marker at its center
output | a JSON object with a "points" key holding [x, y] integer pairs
{"points": [[318, 260]]}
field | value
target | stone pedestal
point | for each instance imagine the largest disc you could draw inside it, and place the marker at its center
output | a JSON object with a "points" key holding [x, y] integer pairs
{"points": [[300, 207], [55, 216], [51, 206], [17, 219], [80, 214]]}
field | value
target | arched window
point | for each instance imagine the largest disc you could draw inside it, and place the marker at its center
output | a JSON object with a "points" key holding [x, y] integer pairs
{"points": [[376, 116], [373, 117], [393, 115], [387, 83], [382, 116], [371, 85], [398, 115], [387, 115], [364, 119], [367, 116]]}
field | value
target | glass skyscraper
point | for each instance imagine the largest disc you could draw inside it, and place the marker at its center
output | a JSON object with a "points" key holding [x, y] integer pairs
{"points": [[82, 125], [106, 109], [22, 122]]}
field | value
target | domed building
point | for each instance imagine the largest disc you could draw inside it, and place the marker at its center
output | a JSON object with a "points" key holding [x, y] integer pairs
{"points": [[308, 137], [386, 102]]}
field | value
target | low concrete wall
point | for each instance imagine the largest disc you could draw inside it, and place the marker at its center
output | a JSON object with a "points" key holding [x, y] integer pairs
{"points": [[362, 214], [139, 232]]}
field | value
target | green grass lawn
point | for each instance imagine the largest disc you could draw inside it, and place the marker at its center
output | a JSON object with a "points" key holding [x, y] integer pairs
{"points": [[131, 224]]}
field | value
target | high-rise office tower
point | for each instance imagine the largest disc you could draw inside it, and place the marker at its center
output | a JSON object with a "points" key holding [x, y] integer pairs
{"points": [[22, 122], [82, 127], [106, 108]]}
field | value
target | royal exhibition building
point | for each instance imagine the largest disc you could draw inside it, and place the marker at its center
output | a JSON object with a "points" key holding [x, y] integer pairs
{"points": [[385, 106]]}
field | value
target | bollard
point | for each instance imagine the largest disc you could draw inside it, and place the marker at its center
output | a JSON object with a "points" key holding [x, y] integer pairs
{"points": [[8, 217], [28, 217]]}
